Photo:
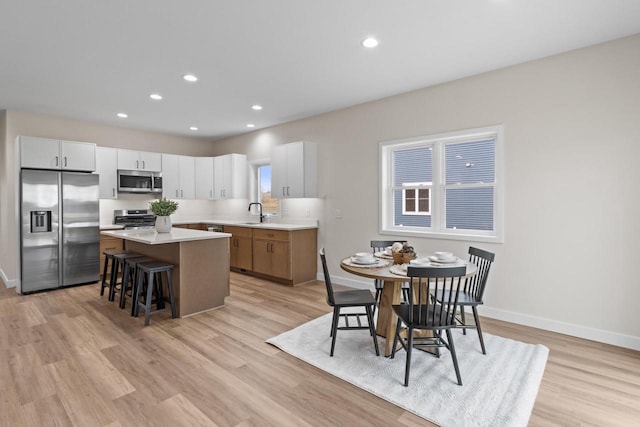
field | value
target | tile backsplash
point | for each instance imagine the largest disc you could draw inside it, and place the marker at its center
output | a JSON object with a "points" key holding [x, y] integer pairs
{"points": [[223, 209]]}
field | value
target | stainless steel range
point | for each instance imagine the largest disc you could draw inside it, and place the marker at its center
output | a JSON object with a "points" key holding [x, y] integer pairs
{"points": [[134, 219]]}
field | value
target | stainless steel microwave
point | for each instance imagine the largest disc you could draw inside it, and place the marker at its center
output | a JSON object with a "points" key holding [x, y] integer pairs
{"points": [[139, 181]]}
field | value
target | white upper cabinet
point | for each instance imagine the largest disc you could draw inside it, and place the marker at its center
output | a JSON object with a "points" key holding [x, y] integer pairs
{"points": [[204, 178], [139, 160], [79, 156], [44, 153], [187, 177], [230, 176], [178, 176], [294, 170], [106, 167]]}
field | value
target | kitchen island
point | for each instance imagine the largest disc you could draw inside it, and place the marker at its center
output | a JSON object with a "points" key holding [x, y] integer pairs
{"points": [[201, 260]]}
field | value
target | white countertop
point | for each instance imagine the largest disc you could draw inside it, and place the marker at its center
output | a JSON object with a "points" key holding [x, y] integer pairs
{"points": [[256, 224], [298, 225], [151, 237]]}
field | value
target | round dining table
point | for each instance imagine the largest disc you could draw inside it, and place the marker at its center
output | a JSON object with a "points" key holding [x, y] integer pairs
{"points": [[391, 290]]}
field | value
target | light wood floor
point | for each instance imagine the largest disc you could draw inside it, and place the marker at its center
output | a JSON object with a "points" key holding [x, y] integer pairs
{"points": [[71, 358]]}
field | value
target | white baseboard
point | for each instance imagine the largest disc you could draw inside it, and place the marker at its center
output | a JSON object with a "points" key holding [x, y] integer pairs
{"points": [[598, 335], [8, 283]]}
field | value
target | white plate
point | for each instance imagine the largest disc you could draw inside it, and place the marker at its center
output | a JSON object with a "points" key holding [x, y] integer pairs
{"points": [[361, 262], [419, 262], [443, 261]]}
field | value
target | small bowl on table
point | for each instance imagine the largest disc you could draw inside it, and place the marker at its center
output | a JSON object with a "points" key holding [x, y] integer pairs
{"points": [[444, 256]]}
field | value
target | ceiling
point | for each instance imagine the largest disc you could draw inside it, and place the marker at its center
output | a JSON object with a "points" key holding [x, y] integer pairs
{"points": [[90, 59]]}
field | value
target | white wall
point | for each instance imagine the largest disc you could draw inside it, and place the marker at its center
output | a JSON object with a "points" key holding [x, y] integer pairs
{"points": [[572, 140]]}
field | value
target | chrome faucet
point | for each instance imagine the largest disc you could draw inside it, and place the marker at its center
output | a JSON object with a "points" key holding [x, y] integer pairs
{"points": [[260, 210]]}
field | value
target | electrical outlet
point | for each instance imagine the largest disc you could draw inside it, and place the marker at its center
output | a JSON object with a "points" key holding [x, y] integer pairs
{"points": [[338, 213], [308, 213]]}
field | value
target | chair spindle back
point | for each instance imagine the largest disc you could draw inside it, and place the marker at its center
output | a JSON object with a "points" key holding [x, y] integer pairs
{"points": [[476, 284], [327, 279], [426, 281]]}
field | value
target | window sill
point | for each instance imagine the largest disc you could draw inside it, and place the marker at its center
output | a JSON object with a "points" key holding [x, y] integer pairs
{"points": [[469, 237]]}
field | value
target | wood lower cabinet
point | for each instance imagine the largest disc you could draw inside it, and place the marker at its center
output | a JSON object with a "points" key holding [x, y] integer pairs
{"points": [[108, 243], [286, 256], [272, 258], [241, 247], [194, 226]]}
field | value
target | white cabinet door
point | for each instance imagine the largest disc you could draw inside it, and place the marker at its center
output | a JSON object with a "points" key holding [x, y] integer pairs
{"points": [[170, 176], [294, 170], [279, 171], [151, 162], [238, 177], [128, 159], [230, 176], [41, 153], [107, 168], [204, 178], [187, 177], [78, 156], [220, 177]]}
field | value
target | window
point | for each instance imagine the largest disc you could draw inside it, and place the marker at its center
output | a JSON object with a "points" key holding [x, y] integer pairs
{"points": [[446, 186], [269, 204], [416, 201]]}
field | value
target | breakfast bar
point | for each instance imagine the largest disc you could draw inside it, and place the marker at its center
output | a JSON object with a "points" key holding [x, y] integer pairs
{"points": [[201, 260]]}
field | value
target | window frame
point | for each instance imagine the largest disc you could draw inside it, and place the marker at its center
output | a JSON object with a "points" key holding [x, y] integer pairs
{"points": [[438, 187]]}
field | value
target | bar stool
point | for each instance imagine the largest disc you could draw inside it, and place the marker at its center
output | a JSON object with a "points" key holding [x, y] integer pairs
{"points": [[118, 264], [129, 274], [151, 274], [108, 257]]}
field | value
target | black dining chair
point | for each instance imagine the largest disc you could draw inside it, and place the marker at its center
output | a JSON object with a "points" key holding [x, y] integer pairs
{"points": [[379, 246], [355, 298], [473, 291], [425, 313]]}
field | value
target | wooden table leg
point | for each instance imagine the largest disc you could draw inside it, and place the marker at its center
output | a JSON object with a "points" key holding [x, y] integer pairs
{"points": [[386, 326]]}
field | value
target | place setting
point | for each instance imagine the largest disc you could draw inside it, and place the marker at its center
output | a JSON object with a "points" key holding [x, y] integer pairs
{"points": [[365, 260], [437, 259]]}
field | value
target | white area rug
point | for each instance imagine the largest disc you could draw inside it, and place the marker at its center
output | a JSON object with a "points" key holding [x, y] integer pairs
{"points": [[499, 389]]}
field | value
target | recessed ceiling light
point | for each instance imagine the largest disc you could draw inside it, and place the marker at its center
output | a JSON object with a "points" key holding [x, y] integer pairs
{"points": [[251, 125], [370, 42], [257, 107], [193, 128], [190, 78], [122, 115], [155, 96]]}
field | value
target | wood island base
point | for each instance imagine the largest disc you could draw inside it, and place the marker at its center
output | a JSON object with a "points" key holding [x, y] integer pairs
{"points": [[201, 273]]}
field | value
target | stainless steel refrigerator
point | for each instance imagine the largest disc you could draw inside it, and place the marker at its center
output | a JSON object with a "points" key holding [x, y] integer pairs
{"points": [[60, 233]]}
